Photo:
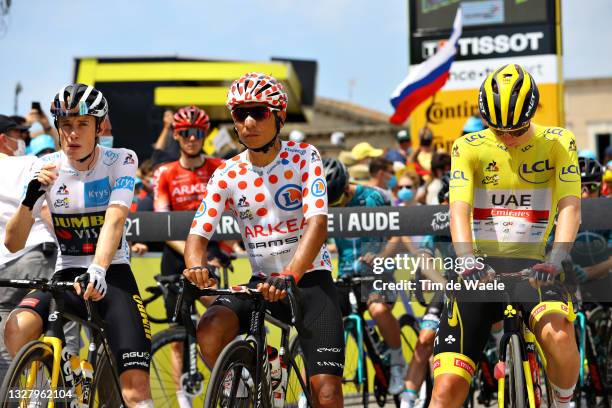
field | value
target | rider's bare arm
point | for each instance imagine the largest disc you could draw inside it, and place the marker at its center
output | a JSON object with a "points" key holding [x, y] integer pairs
{"points": [[309, 246], [110, 234]]}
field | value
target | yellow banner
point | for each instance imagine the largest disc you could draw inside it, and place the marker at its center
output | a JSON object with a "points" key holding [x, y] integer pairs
{"points": [[451, 109]]}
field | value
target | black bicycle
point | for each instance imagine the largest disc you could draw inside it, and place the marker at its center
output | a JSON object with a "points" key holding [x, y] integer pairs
{"points": [[363, 341], [191, 376], [241, 376], [43, 372]]}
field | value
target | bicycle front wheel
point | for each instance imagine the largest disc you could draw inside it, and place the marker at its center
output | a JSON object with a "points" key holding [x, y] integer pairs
{"points": [[28, 379], [355, 373], [232, 382], [514, 390], [296, 395], [166, 370]]}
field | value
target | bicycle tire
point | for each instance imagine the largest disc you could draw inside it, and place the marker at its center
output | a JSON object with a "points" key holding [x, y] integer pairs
{"points": [[516, 396], [409, 329], [238, 356], [104, 391], [350, 374], [34, 351], [294, 388], [163, 385]]}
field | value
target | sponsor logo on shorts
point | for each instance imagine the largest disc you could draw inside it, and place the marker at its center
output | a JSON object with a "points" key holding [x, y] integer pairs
{"points": [[464, 364], [29, 302]]}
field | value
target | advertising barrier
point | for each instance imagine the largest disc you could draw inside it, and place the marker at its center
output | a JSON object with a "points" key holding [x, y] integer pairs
{"points": [[343, 222]]}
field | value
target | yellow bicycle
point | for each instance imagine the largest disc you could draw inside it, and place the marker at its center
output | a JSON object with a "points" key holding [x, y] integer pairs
{"points": [[44, 374]]}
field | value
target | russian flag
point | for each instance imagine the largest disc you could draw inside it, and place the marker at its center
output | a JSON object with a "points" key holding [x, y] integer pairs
{"points": [[427, 78]]}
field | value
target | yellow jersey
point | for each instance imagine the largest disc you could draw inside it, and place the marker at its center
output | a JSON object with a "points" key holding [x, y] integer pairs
{"points": [[514, 191]]}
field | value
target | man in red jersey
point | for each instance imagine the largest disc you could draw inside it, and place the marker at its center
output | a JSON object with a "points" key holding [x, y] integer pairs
{"points": [[180, 186]]}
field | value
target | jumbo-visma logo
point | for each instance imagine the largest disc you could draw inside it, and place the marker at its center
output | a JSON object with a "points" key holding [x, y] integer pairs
{"points": [[289, 197], [318, 187], [538, 172]]}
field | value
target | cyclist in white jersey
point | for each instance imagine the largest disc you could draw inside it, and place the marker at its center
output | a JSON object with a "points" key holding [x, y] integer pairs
{"points": [[88, 189], [277, 192]]}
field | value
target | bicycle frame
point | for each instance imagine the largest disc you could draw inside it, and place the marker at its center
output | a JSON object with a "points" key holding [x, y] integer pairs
{"points": [[54, 337]]}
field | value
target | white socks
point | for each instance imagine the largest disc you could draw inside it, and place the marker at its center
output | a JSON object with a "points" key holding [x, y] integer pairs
{"points": [[397, 357], [144, 404], [563, 396]]}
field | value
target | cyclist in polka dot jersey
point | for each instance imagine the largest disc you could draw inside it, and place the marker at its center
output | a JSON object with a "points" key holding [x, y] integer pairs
{"points": [[277, 192], [271, 204]]}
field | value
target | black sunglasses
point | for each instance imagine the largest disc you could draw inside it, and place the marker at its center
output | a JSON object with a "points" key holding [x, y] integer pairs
{"points": [[511, 132], [255, 112], [187, 133]]}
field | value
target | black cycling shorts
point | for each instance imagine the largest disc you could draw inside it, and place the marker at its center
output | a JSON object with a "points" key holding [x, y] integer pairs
{"points": [[322, 339], [128, 328], [460, 341]]}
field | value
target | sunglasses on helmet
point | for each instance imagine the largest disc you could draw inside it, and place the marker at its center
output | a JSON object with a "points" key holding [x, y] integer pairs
{"points": [[511, 132], [256, 112], [187, 133], [337, 201]]}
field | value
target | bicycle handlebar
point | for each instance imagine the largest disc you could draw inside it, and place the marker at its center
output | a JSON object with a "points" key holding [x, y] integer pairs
{"points": [[188, 293]]}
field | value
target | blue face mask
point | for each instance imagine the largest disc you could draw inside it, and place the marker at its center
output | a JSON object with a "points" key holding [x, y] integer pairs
{"points": [[106, 141], [405, 194], [392, 182]]}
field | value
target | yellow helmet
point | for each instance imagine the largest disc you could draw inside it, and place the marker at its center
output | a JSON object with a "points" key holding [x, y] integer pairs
{"points": [[508, 97]]}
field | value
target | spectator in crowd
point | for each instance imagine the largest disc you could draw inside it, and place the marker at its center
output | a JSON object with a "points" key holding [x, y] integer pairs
{"points": [[607, 182], [41, 145], [362, 153], [608, 155], [106, 133], [421, 157], [166, 145], [337, 139], [587, 154], [407, 189], [440, 164], [38, 116], [382, 177], [473, 124], [297, 136], [181, 186], [403, 150], [24, 128], [12, 139], [37, 258], [145, 194]]}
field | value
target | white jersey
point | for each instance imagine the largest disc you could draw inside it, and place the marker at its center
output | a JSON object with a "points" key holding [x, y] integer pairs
{"points": [[78, 201], [271, 204], [16, 173]]}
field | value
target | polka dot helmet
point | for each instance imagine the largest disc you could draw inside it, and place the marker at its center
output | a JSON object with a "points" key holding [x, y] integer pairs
{"points": [[257, 87]]}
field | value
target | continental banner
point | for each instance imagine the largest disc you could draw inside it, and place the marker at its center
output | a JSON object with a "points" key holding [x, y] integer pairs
{"points": [[342, 222], [458, 100]]}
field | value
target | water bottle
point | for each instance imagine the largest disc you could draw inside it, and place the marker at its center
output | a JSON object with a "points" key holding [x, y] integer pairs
{"points": [[278, 377]]}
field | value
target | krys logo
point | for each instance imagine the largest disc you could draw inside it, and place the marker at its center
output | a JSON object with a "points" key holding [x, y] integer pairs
{"points": [[569, 173], [97, 192], [288, 197], [538, 172], [110, 157], [318, 187]]}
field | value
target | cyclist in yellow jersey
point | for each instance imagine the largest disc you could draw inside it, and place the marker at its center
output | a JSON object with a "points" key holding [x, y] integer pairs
{"points": [[508, 183]]}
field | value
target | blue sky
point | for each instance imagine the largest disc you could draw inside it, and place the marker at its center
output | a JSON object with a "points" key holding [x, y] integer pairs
{"points": [[359, 40]]}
